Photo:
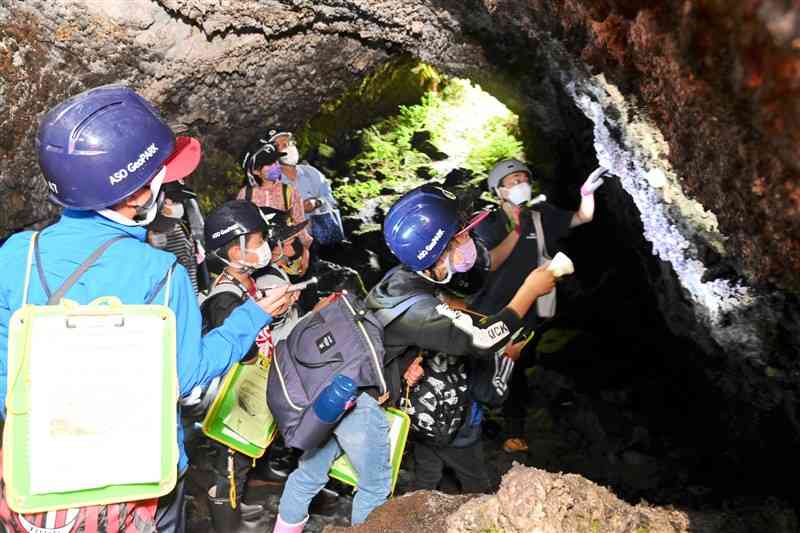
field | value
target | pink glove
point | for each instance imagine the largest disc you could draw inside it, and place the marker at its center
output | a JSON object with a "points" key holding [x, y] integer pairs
{"points": [[593, 182]]}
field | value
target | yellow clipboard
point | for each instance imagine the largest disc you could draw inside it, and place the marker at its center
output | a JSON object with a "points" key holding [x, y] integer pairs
{"points": [[86, 422], [399, 423], [239, 416]]}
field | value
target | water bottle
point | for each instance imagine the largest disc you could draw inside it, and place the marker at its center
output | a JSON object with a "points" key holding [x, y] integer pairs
{"points": [[335, 399]]}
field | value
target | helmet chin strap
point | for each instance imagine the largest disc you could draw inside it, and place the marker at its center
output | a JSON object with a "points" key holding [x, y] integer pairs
{"points": [[144, 213], [446, 279], [244, 269], [240, 266]]}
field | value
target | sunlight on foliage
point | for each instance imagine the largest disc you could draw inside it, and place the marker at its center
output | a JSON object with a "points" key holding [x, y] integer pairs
{"points": [[469, 127]]}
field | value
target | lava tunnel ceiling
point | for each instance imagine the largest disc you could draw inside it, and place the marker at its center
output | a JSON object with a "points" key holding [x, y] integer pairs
{"points": [[692, 104]]}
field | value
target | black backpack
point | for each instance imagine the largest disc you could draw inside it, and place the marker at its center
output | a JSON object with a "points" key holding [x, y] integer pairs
{"points": [[440, 402]]}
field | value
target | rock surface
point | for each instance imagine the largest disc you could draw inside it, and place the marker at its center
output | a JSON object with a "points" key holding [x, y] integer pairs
{"points": [[535, 501], [693, 104]]}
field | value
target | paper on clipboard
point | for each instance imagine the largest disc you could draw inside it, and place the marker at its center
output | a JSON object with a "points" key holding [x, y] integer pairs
{"points": [[250, 416], [96, 395]]}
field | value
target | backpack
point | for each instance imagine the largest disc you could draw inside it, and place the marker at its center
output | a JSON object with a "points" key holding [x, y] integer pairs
{"points": [[195, 406], [326, 225], [487, 380], [440, 402], [341, 338], [74, 502]]}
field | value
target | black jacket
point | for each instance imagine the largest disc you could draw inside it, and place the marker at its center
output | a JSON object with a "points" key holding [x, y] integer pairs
{"points": [[216, 309], [430, 325]]}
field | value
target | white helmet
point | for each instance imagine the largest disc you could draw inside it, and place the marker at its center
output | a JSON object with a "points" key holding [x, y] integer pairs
{"points": [[505, 167]]}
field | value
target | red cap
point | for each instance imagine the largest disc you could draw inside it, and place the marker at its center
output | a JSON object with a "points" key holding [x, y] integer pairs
{"points": [[184, 159]]}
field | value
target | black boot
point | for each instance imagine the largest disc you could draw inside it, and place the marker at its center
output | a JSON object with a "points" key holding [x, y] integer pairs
{"points": [[224, 518], [262, 522], [324, 503], [247, 517]]}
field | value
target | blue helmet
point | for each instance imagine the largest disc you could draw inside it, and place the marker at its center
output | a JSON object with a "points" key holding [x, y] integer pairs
{"points": [[420, 225], [100, 146]]}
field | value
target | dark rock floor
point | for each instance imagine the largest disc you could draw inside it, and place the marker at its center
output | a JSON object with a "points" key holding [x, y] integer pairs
{"points": [[599, 437], [549, 449]]}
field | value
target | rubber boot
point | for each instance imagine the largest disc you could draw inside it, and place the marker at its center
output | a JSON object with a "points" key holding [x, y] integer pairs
{"points": [[283, 527], [224, 518], [246, 517], [257, 523]]}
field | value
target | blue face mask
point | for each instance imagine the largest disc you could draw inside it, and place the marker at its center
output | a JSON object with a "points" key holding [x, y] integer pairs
{"points": [[274, 172]]}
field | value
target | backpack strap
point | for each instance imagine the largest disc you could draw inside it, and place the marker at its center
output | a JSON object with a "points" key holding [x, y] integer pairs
{"points": [[540, 238], [221, 288], [248, 192], [373, 352], [165, 281], [388, 314], [287, 198], [55, 298], [39, 268], [28, 267]]}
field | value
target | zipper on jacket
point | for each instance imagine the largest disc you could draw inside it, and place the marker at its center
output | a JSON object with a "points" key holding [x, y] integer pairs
{"points": [[372, 350]]}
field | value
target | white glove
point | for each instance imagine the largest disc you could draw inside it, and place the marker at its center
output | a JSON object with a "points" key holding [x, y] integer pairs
{"points": [[593, 182]]}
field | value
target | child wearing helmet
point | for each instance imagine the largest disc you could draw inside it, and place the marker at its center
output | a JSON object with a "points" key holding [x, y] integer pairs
{"points": [[286, 238], [511, 236], [105, 154], [263, 187], [424, 231], [242, 236]]}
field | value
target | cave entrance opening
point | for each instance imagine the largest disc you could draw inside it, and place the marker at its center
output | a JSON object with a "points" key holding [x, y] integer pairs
{"points": [[453, 127]]}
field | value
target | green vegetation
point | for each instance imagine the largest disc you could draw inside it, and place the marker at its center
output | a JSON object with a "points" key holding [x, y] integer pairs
{"points": [[382, 136], [467, 125], [400, 82]]}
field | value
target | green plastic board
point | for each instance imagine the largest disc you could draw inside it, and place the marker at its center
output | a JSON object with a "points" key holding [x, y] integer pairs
{"points": [[398, 434], [242, 379], [63, 358]]}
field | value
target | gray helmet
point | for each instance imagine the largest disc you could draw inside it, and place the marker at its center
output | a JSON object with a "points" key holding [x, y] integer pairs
{"points": [[505, 167]]}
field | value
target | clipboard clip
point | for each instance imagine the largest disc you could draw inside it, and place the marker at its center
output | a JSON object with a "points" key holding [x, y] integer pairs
{"points": [[94, 321]]}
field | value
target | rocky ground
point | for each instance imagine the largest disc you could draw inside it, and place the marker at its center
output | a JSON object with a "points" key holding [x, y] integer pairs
{"points": [[567, 433]]}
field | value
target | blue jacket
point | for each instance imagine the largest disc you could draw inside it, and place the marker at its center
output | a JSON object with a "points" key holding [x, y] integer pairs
{"points": [[129, 269]]}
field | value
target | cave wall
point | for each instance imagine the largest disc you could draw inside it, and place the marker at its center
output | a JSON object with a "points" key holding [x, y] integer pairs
{"points": [[219, 70], [692, 104]]}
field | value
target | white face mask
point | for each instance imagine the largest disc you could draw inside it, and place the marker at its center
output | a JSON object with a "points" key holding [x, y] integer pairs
{"points": [[144, 213], [520, 193], [263, 253], [292, 156], [175, 210]]}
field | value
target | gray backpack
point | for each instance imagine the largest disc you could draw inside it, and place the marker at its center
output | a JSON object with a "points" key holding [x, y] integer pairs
{"points": [[342, 338]]}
